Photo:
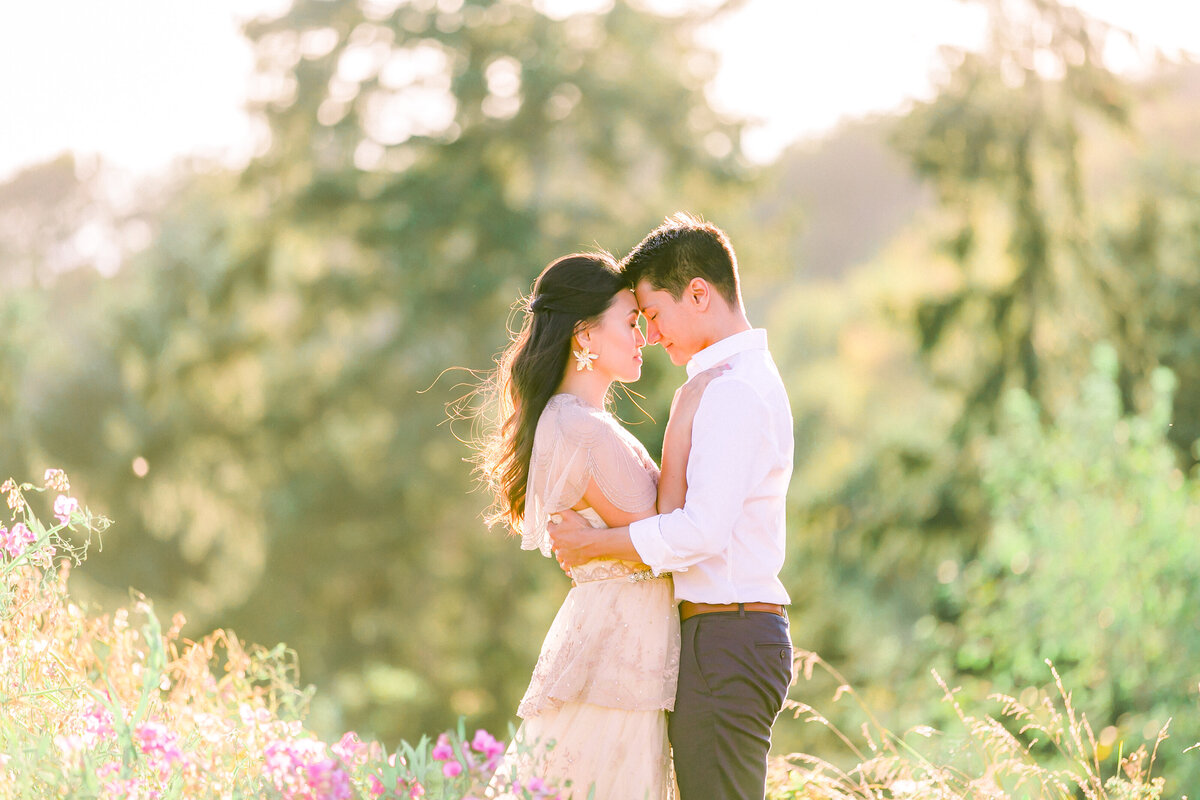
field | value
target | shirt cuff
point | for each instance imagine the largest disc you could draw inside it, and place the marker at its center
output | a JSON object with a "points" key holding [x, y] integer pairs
{"points": [[648, 541]]}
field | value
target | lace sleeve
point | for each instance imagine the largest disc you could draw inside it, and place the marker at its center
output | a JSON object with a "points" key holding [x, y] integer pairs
{"points": [[573, 445]]}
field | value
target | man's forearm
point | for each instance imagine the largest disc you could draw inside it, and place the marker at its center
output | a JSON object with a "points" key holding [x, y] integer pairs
{"points": [[613, 543], [575, 542]]}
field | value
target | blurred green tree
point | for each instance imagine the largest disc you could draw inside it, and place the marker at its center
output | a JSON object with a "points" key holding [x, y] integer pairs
{"points": [[1063, 217], [1003, 145], [274, 463], [995, 268], [1150, 287], [1088, 565]]}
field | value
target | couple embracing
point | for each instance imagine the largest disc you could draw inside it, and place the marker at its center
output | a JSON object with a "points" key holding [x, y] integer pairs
{"points": [[670, 657]]}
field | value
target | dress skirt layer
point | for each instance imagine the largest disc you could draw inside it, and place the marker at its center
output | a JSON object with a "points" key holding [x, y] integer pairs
{"points": [[594, 715], [580, 748]]}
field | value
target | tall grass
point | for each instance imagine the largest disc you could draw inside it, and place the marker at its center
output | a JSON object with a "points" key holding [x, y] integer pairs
{"points": [[1041, 751]]}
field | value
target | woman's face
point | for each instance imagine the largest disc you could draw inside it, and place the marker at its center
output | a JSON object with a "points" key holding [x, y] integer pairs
{"points": [[616, 339]]}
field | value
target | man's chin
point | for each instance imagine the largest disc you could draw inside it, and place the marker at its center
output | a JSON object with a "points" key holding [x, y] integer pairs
{"points": [[678, 358]]}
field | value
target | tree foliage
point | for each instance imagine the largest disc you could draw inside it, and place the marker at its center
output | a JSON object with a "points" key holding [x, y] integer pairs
{"points": [[1063, 215], [256, 379], [1086, 565]]}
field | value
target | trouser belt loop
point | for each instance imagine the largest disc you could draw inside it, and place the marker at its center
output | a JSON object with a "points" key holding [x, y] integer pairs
{"points": [[741, 609]]}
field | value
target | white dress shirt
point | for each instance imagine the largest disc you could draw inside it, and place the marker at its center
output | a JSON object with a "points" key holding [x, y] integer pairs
{"points": [[726, 544]]}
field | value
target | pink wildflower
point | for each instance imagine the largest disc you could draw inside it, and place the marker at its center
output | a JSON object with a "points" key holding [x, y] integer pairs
{"points": [[375, 785], [452, 769], [287, 765], [64, 507], [351, 749], [442, 751], [486, 744], [97, 725], [405, 787], [17, 540], [252, 716], [328, 780], [56, 479], [156, 739], [97, 728], [16, 501], [161, 747]]}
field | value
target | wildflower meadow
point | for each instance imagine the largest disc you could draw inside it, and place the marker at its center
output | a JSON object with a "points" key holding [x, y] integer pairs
{"points": [[117, 706]]}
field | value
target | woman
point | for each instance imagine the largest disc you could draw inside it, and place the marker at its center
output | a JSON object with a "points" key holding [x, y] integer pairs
{"points": [[594, 714]]}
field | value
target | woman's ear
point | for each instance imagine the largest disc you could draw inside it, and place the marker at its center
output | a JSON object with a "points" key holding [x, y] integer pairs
{"points": [[582, 333]]}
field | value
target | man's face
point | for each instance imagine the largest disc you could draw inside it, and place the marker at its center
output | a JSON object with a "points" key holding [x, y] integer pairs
{"points": [[669, 322]]}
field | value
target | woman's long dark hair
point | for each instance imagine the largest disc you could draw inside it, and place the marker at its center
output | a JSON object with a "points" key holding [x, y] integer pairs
{"points": [[573, 289]]}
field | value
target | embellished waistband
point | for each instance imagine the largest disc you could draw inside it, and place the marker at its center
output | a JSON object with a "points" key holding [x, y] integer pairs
{"points": [[612, 570]]}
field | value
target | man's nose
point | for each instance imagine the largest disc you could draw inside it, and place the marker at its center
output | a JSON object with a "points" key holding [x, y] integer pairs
{"points": [[652, 334]]}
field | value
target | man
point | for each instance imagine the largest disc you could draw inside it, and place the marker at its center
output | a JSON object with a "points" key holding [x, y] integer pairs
{"points": [[725, 546]]}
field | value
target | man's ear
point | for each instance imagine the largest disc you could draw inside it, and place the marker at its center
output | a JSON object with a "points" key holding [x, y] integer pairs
{"points": [[698, 294]]}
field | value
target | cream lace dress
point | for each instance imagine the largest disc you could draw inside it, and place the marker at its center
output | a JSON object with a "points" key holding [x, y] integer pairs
{"points": [[594, 712]]}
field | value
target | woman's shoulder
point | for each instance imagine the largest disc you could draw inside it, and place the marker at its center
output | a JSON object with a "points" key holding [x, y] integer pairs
{"points": [[570, 417]]}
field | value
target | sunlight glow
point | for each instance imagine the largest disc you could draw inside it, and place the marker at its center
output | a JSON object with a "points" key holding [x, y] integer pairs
{"points": [[142, 82]]}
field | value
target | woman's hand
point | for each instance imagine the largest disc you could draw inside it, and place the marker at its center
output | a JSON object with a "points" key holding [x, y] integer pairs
{"points": [[687, 397], [569, 535]]}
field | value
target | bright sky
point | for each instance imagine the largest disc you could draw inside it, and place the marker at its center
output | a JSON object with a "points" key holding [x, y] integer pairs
{"points": [[144, 81]]}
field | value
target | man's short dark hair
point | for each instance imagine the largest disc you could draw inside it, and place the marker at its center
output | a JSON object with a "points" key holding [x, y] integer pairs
{"points": [[682, 248]]}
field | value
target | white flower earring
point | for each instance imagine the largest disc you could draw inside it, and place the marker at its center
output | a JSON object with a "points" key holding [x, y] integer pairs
{"points": [[584, 358]]}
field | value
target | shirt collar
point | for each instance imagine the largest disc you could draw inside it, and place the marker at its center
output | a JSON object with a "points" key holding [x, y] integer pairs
{"points": [[717, 352]]}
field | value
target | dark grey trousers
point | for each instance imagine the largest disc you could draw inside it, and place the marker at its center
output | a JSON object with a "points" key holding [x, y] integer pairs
{"points": [[734, 671]]}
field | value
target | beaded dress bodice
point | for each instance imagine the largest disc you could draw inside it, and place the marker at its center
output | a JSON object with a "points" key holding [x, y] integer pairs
{"points": [[574, 445], [615, 641]]}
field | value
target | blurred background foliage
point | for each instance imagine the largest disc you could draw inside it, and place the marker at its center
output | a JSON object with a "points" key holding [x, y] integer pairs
{"points": [[250, 374]]}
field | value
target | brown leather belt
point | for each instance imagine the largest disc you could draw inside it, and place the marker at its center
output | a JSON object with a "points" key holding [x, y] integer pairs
{"points": [[688, 609]]}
